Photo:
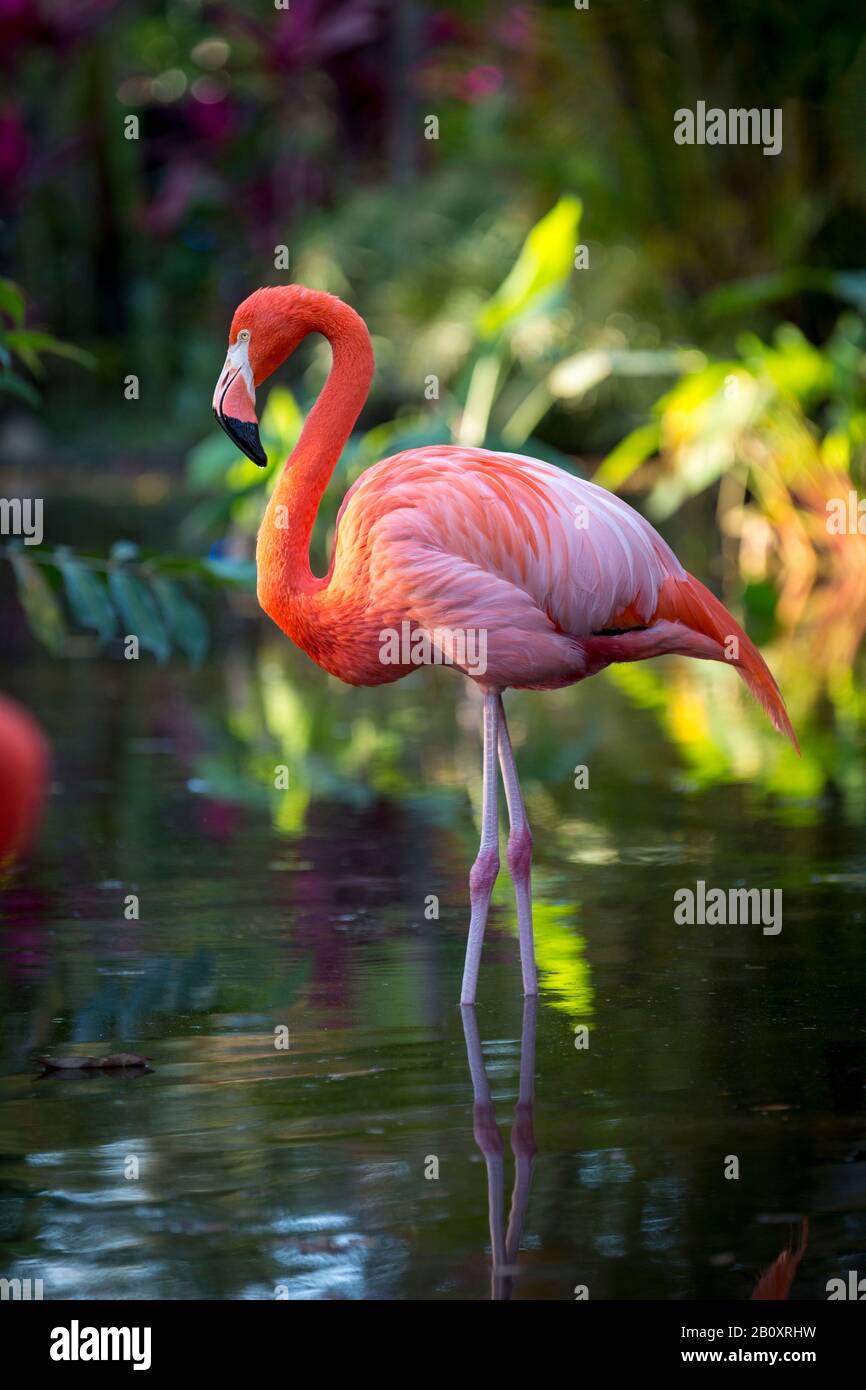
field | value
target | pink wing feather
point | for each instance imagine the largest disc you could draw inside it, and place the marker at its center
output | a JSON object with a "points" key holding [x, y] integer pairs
{"points": [[546, 563]]}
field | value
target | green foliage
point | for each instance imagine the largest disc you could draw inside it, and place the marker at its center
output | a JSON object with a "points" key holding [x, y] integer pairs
{"points": [[744, 296], [713, 420], [697, 345], [184, 622], [540, 273], [39, 603], [139, 611], [28, 345], [128, 594], [89, 602], [496, 392]]}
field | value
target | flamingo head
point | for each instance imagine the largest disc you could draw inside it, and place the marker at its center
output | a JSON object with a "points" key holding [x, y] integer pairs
{"points": [[265, 330]]}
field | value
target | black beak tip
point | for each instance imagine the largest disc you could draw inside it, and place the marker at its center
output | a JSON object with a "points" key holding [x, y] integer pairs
{"points": [[245, 434]]}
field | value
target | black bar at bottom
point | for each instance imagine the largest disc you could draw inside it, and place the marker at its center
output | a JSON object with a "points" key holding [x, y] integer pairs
{"points": [[81, 1338]]}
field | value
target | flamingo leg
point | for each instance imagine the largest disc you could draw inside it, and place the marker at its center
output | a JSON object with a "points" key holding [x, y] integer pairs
{"points": [[486, 866], [519, 854]]}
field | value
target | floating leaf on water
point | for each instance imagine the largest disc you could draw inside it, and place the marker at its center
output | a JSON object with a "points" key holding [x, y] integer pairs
{"points": [[70, 1063], [122, 1059], [113, 1062]]}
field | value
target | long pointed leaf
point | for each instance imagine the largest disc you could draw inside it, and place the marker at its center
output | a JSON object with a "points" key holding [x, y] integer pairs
{"points": [[186, 622], [543, 267], [88, 598], [39, 602], [139, 612], [12, 301]]}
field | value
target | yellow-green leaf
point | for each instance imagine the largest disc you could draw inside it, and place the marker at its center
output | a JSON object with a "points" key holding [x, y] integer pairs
{"points": [[544, 265], [39, 602]]}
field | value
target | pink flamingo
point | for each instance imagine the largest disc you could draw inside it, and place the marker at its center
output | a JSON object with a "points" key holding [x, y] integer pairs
{"points": [[551, 577], [23, 778]]}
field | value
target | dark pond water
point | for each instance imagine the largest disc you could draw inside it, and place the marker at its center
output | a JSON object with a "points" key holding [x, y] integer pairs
{"points": [[378, 1155]]}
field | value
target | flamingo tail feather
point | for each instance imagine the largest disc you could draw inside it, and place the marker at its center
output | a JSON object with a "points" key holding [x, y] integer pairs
{"points": [[690, 602]]}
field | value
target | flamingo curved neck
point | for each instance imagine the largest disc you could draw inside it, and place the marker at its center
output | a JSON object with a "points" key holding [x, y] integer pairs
{"points": [[283, 549]]}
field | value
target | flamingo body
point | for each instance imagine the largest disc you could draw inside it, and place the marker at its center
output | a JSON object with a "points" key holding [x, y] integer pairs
{"points": [[561, 577]]}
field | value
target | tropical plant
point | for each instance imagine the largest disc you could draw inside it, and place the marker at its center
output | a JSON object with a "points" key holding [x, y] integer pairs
{"points": [[22, 347], [126, 595]]}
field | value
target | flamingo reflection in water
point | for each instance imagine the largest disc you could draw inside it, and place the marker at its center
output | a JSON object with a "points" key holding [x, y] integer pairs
{"points": [[774, 1283], [505, 1243]]}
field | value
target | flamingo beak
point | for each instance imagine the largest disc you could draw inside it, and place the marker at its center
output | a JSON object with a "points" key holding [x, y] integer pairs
{"points": [[234, 404]]}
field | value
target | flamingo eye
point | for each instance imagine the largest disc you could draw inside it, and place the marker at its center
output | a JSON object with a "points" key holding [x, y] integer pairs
{"points": [[244, 335]]}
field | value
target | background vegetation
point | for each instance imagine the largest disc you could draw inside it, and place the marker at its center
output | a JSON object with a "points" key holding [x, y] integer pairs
{"points": [[708, 361]]}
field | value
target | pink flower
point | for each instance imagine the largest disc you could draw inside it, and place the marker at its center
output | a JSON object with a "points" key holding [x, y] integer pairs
{"points": [[480, 82]]}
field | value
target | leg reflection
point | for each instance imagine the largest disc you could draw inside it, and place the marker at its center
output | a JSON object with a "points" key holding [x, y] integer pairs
{"points": [[505, 1245]]}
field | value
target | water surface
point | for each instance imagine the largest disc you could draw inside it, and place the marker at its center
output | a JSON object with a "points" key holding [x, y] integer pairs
{"points": [[377, 1155]]}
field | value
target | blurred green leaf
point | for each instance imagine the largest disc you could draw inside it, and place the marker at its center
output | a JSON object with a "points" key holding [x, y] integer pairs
{"points": [[704, 421], [281, 421], [186, 623], [792, 363], [743, 296], [628, 456], [851, 285], [11, 301], [238, 572], [88, 597], [17, 386], [576, 375], [393, 436], [39, 602], [124, 551], [480, 396], [209, 461], [543, 267], [139, 612], [28, 343]]}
